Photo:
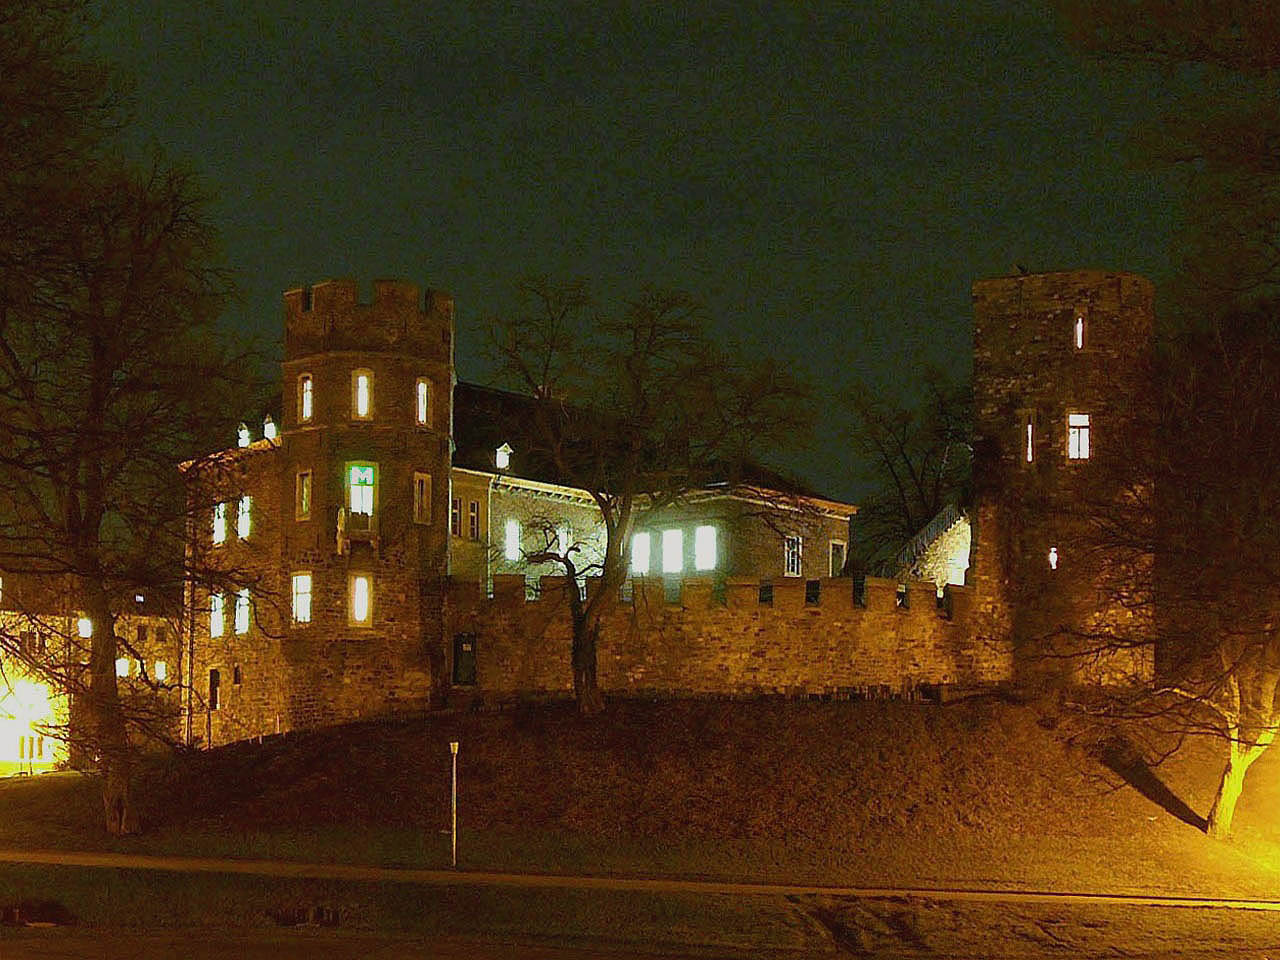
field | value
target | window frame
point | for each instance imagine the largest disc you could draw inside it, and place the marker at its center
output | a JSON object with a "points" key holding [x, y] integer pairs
{"points": [[698, 546], [351, 487], [356, 374], [648, 553], [455, 516], [302, 505], [787, 553], [306, 397], [421, 497], [672, 535], [244, 603], [244, 516], [422, 397], [295, 593], [352, 580], [844, 556], [473, 519], [1079, 432]]}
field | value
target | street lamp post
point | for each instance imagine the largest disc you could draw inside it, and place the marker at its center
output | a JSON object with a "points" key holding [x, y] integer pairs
{"points": [[453, 749]]}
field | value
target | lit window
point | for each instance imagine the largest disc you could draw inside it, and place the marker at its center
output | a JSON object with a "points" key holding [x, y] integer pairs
{"points": [[1078, 332], [360, 597], [217, 603], [791, 556], [502, 456], [672, 551], [220, 523], [1053, 558], [704, 548], [304, 398], [302, 598], [242, 435], [161, 671], [455, 517], [562, 540], [84, 628], [640, 554], [837, 557], [302, 507], [422, 498], [1078, 436], [1030, 431], [473, 519], [423, 398], [269, 428], [243, 514], [242, 611], [361, 395], [511, 542], [360, 481], [122, 666]]}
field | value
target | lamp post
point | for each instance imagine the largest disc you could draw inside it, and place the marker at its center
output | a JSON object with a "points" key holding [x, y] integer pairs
{"points": [[453, 749]]}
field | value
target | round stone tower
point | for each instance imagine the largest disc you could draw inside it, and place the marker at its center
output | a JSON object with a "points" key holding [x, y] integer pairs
{"points": [[1060, 379]]}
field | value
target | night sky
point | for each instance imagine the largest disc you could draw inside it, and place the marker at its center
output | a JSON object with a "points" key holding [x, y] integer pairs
{"points": [[830, 178]]}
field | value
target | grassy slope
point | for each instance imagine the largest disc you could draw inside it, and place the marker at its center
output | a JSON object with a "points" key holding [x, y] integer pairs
{"points": [[872, 793]]}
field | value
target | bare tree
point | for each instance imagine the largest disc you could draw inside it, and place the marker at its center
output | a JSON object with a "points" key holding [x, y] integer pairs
{"points": [[641, 409]]}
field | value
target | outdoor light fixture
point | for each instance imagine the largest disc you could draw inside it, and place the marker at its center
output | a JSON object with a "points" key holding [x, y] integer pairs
{"points": [[268, 427]]}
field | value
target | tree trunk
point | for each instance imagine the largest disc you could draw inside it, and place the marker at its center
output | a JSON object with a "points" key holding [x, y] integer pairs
{"points": [[585, 688], [1223, 810], [110, 738]]}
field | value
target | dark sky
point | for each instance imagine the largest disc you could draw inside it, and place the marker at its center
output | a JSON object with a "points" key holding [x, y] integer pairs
{"points": [[830, 178]]}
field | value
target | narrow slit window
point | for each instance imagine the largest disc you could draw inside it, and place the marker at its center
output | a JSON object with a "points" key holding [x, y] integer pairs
{"points": [[217, 605], [361, 395], [1030, 440], [704, 548], [422, 400], [473, 519], [244, 517], [1077, 332], [220, 523], [511, 540], [302, 598], [640, 554], [242, 610], [1053, 558], [422, 498], [302, 509], [361, 598], [455, 517], [1078, 445], [304, 398]]}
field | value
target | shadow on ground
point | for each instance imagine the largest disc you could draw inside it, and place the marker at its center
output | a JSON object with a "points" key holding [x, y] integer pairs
{"points": [[1121, 757]]}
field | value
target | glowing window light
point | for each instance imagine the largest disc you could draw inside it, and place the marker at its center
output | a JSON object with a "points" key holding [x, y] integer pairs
{"points": [[423, 396], [640, 554], [160, 671], [511, 539], [1053, 558], [1079, 331], [360, 599], [502, 456], [562, 540], [1030, 444], [1078, 436], [26, 709], [302, 509], [302, 598], [792, 556], [122, 666], [220, 523], [672, 551], [243, 517], [242, 435], [242, 610], [363, 400], [217, 620], [84, 628], [704, 548], [269, 428], [360, 480], [304, 397]]}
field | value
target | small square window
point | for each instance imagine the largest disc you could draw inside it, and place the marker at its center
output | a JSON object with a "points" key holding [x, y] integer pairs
{"points": [[122, 666]]}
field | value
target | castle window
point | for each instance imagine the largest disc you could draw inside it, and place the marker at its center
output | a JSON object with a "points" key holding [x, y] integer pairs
{"points": [[302, 598], [219, 523], [511, 540], [422, 397], [502, 457], [160, 671], [640, 554], [140, 635], [361, 599], [837, 557], [422, 498], [304, 398], [302, 502], [1077, 332], [1029, 428], [792, 548], [242, 610], [704, 548], [360, 483], [235, 675], [455, 517], [1078, 436], [217, 604], [215, 685], [122, 666], [243, 517], [269, 428], [242, 435], [473, 519], [84, 628], [562, 540], [1053, 558], [672, 551], [361, 395]]}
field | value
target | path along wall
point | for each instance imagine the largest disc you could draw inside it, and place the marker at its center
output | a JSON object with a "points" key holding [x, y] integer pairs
{"points": [[733, 644]]}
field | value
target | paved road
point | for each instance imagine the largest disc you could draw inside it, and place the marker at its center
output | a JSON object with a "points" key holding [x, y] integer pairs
{"points": [[335, 871]]}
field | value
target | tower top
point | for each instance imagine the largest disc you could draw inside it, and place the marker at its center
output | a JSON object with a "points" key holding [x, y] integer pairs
{"points": [[329, 316]]}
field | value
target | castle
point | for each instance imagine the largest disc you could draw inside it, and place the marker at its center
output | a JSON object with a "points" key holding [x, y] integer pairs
{"points": [[380, 533]]}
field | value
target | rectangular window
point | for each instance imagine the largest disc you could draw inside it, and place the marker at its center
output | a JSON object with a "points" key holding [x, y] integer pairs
{"points": [[217, 604], [304, 398], [1078, 436], [1029, 437], [837, 558], [422, 498], [215, 686], [792, 556], [244, 517], [361, 598], [242, 610], [302, 506], [122, 666], [473, 519], [455, 517], [302, 598], [361, 395], [640, 554], [423, 400], [1077, 333], [161, 671], [672, 551], [360, 479], [220, 523], [84, 628], [511, 540], [704, 548]]}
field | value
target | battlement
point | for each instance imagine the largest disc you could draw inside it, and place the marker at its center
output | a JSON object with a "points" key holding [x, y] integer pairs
{"points": [[400, 318]]}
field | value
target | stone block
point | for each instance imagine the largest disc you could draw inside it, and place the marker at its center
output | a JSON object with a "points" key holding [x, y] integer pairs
{"points": [[695, 593], [881, 594], [742, 593], [508, 588], [836, 594], [788, 594]]}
